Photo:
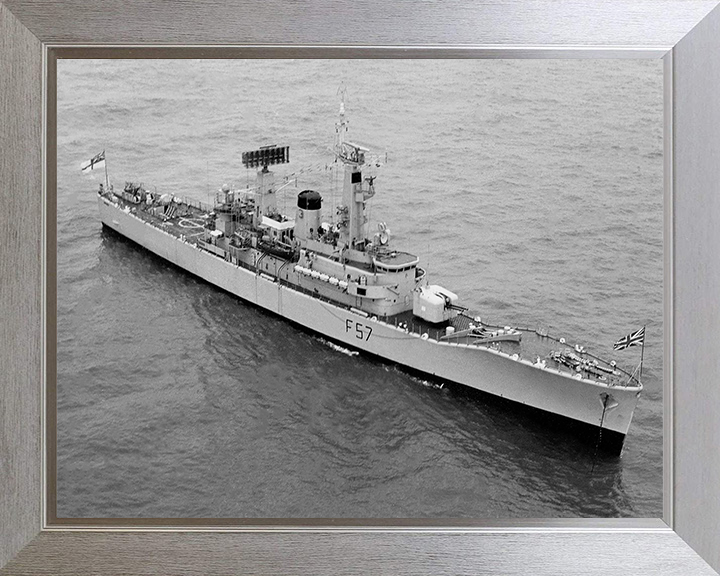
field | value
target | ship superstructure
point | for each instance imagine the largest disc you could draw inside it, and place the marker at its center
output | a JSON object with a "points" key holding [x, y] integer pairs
{"points": [[333, 275]]}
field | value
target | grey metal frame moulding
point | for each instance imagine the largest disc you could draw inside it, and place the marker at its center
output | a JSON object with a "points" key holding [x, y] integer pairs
{"points": [[685, 32]]}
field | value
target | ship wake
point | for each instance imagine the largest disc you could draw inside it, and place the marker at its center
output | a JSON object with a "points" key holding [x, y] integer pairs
{"points": [[338, 348]]}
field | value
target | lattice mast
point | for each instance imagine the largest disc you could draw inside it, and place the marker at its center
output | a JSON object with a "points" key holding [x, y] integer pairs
{"points": [[356, 191]]}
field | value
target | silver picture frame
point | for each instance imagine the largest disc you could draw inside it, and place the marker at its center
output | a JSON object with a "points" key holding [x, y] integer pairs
{"points": [[684, 33]]}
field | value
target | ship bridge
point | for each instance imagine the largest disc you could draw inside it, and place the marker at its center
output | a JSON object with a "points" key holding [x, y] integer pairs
{"points": [[394, 262]]}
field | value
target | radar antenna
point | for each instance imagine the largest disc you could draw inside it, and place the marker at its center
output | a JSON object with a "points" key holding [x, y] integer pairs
{"points": [[266, 156]]}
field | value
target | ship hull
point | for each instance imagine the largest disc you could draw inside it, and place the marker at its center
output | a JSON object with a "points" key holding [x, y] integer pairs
{"points": [[490, 371]]}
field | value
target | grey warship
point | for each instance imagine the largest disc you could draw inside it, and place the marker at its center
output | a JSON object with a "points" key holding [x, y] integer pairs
{"points": [[335, 275]]}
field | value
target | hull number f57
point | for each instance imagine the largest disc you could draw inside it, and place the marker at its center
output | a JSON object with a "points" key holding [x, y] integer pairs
{"points": [[361, 331]]}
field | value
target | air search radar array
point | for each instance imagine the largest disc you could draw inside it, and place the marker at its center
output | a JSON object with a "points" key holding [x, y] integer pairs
{"points": [[266, 156]]}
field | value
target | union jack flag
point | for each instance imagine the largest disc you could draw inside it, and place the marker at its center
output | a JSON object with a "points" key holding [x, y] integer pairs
{"points": [[634, 339]]}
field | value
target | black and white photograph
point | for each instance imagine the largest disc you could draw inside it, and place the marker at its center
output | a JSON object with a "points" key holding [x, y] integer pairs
{"points": [[359, 288]]}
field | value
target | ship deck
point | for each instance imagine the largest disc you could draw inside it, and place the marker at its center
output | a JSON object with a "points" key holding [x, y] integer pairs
{"points": [[186, 220], [535, 346]]}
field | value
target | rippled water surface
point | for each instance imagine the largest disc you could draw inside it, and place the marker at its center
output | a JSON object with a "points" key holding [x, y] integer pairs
{"points": [[533, 189]]}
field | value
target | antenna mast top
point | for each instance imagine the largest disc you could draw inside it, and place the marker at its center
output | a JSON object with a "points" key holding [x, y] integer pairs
{"points": [[347, 152], [342, 126]]}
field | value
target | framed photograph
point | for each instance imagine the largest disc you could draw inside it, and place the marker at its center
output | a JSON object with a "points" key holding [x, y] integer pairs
{"points": [[518, 184], [386, 327]]}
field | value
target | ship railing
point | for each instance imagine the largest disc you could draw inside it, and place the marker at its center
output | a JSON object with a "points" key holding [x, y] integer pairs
{"points": [[631, 378], [546, 334], [144, 216], [204, 206], [240, 264], [413, 328]]}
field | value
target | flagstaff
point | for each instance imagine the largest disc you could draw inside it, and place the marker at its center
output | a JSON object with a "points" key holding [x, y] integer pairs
{"points": [[107, 181], [642, 353], [635, 339]]}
